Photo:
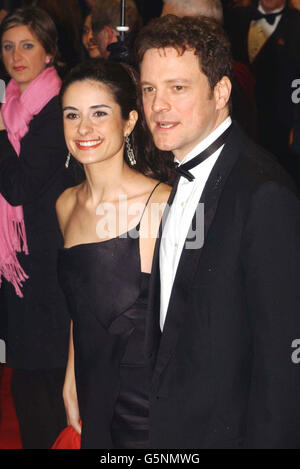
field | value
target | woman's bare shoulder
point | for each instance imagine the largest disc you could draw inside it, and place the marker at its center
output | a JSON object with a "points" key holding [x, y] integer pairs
{"points": [[65, 205], [67, 198]]}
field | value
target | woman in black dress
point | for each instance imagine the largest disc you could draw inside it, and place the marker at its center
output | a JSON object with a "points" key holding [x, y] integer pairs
{"points": [[109, 233]]}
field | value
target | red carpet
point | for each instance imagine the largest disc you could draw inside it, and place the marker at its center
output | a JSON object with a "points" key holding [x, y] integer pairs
{"points": [[9, 428]]}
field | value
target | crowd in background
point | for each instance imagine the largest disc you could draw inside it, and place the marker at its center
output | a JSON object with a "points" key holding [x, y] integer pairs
{"points": [[82, 33]]}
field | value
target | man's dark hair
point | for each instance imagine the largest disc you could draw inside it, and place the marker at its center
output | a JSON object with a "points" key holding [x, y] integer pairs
{"points": [[203, 35]]}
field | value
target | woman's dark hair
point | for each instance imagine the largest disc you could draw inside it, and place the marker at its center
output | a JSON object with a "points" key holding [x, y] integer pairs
{"points": [[40, 24], [122, 81]]}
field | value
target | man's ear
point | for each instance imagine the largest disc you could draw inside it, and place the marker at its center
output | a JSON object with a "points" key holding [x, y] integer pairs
{"points": [[222, 92], [110, 34]]}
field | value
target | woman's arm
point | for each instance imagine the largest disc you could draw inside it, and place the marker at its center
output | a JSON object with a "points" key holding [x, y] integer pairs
{"points": [[69, 390]]}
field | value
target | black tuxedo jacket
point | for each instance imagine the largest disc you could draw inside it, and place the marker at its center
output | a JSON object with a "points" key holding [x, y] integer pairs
{"points": [[222, 370], [275, 68]]}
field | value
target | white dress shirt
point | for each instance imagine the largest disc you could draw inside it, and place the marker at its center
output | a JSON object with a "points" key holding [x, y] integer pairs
{"points": [[181, 214], [259, 32]]}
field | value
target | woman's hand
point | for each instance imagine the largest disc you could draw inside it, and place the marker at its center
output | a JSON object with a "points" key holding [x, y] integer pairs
{"points": [[69, 390]]}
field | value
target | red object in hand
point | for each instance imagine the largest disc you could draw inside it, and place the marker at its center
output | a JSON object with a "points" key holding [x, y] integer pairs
{"points": [[68, 439]]}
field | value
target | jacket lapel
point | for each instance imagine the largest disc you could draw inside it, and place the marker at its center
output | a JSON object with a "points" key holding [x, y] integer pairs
{"points": [[190, 257]]}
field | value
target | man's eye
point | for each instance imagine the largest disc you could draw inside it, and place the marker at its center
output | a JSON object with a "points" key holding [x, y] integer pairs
{"points": [[148, 89], [179, 88]]}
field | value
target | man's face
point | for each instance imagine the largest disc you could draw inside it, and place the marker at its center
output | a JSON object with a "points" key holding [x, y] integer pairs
{"points": [[180, 108], [104, 38], [271, 5]]}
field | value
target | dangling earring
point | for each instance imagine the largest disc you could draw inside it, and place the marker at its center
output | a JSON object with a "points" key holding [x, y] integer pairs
{"points": [[130, 152], [68, 160], [48, 60]]}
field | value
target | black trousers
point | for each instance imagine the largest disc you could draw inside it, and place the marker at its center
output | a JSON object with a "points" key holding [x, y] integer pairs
{"points": [[39, 406]]}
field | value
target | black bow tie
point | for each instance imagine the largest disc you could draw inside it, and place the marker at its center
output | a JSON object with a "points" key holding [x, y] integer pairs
{"points": [[269, 17], [183, 169]]}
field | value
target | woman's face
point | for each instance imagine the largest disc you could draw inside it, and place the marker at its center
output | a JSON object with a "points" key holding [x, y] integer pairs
{"points": [[88, 40], [93, 124], [23, 55]]}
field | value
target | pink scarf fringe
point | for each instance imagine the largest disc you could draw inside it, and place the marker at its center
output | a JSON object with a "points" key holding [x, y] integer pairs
{"points": [[17, 112]]}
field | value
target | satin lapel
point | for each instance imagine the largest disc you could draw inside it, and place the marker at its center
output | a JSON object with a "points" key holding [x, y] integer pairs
{"points": [[190, 257]]}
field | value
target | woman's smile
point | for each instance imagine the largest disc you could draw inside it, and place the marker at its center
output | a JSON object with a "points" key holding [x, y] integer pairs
{"points": [[88, 144]]}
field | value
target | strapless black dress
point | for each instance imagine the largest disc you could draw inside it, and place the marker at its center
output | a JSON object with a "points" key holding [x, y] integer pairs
{"points": [[107, 297]]}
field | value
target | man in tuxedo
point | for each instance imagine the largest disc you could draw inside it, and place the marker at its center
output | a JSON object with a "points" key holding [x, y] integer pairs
{"points": [[224, 296], [267, 38]]}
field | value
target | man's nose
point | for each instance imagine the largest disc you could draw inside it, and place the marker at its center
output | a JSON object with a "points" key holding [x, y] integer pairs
{"points": [[160, 103]]}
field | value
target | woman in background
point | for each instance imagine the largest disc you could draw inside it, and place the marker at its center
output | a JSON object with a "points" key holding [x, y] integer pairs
{"points": [[88, 39], [32, 176]]}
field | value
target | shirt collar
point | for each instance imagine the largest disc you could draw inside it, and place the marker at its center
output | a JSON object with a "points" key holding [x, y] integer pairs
{"points": [[207, 141], [260, 8]]}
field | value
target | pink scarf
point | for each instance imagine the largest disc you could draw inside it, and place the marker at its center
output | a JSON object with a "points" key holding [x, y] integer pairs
{"points": [[17, 112]]}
